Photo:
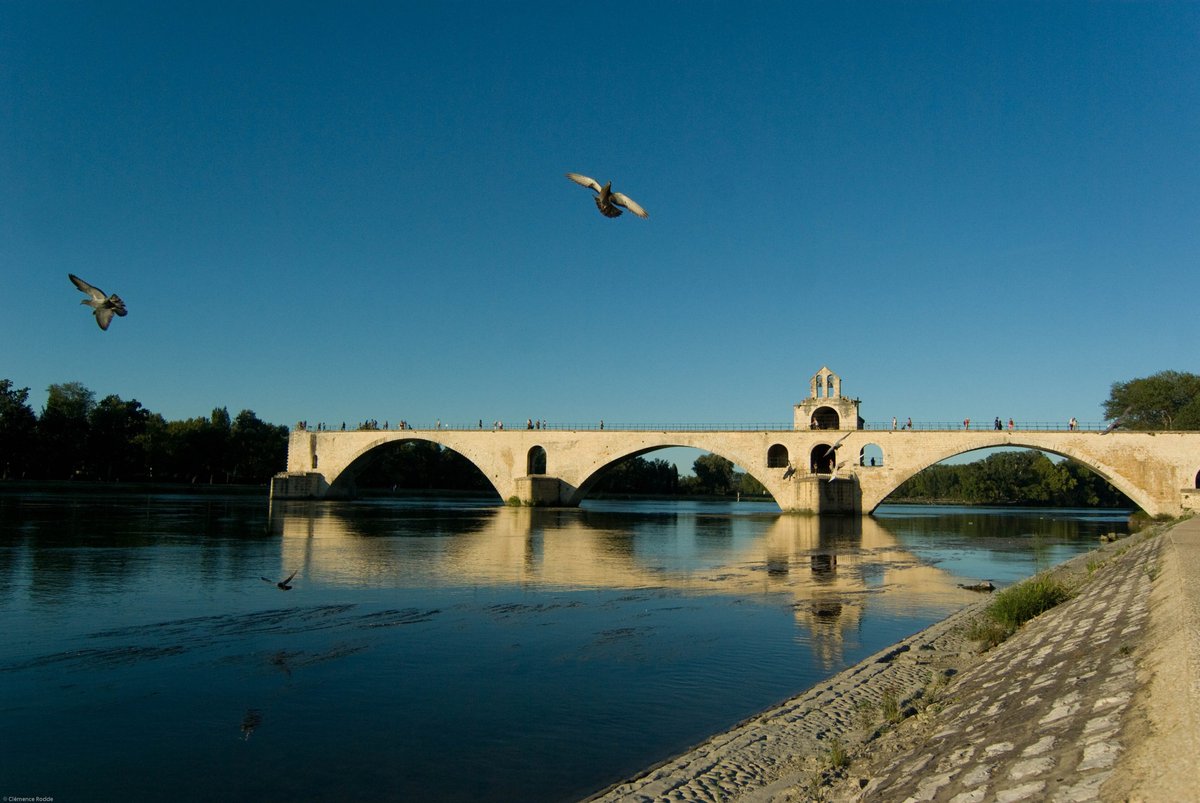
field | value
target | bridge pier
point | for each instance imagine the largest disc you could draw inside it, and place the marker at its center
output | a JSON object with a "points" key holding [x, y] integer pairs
{"points": [[820, 495], [299, 485], [538, 490]]}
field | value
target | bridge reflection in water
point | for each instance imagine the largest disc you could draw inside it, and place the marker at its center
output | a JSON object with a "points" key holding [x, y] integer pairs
{"points": [[827, 569]]}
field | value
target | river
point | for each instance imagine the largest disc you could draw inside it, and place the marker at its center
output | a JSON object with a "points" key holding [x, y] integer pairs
{"points": [[446, 650]]}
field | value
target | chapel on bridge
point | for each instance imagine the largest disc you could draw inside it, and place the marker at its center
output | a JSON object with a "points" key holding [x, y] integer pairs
{"points": [[826, 407]]}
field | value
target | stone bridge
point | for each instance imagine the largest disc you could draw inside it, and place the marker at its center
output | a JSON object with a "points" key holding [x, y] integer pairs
{"points": [[1157, 470], [1160, 471]]}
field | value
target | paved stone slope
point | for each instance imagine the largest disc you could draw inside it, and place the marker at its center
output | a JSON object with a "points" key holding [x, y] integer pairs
{"points": [[775, 750], [1039, 718]]}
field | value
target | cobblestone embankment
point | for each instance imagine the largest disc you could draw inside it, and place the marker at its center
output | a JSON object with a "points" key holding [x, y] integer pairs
{"points": [[1086, 702]]}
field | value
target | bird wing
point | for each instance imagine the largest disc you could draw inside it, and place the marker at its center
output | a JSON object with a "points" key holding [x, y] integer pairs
{"points": [[285, 582], [118, 306], [95, 293], [584, 181], [265, 580], [836, 445], [104, 316], [627, 202]]}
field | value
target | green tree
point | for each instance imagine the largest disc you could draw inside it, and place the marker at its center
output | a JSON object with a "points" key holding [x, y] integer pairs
{"points": [[714, 474], [154, 445], [63, 430], [1025, 477], [113, 428], [1166, 400], [748, 486], [258, 449], [18, 431], [637, 475]]}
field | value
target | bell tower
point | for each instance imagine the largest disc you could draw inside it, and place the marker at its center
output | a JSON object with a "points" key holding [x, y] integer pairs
{"points": [[826, 407]]}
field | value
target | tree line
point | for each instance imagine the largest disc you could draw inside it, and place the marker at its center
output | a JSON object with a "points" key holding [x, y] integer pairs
{"points": [[713, 476], [1013, 478], [114, 439]]}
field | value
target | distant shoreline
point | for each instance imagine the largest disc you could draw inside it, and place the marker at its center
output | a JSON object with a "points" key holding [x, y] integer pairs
{"points": [[99, 487], [241, 489]]}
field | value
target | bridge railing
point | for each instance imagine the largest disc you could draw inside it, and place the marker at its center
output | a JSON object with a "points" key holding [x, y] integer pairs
{"points": [[776, 426], [989, 425]]}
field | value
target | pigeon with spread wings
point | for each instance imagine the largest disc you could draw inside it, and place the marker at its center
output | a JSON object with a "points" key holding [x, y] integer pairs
{"points": [[836, 445], [103, 306], [282, 585], [606, 200]]}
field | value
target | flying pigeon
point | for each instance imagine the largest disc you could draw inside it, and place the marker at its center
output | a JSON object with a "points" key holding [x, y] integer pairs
{"points": [[607, 201], [831, 449], [1116, 422], [283, 585], [838, 467], [102, 306]]}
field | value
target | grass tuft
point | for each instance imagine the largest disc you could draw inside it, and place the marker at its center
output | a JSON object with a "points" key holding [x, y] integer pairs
{"points": [[890, 705], [1015, 606], [839, 758]]}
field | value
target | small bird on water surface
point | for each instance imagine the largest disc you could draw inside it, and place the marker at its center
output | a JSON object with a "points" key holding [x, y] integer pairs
{"points": [[606, 200], [250, 721], [103, 306], [283, 585]]}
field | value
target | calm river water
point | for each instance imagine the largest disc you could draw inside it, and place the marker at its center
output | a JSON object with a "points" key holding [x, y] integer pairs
{"points": [[445, 650]]}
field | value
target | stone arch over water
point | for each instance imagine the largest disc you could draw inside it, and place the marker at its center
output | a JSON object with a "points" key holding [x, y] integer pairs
{"points": [[1138, 496], [344, 485], [589, 482]]}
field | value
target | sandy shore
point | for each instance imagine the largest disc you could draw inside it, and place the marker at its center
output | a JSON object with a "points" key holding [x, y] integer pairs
{"points": [[841, 738]]}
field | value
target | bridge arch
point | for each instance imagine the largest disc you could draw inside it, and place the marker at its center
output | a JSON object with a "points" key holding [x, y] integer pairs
{"points": [[535, 460], [1138, 495], [597, 472], [820, 459], [826, 418], [871, 455], [343, 484]]}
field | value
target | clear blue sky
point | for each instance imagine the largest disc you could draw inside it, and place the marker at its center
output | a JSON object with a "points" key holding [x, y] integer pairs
{"points": [[349, 211]]}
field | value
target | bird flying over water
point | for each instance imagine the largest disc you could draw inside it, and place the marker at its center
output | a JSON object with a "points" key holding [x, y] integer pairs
{"points": [[838, 467], [283, 585], [606, 200], [103, 307]]}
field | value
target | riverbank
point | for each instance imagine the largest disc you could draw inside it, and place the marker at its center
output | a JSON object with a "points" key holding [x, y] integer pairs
{"points": [[1083, 703], [117, 487]]}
